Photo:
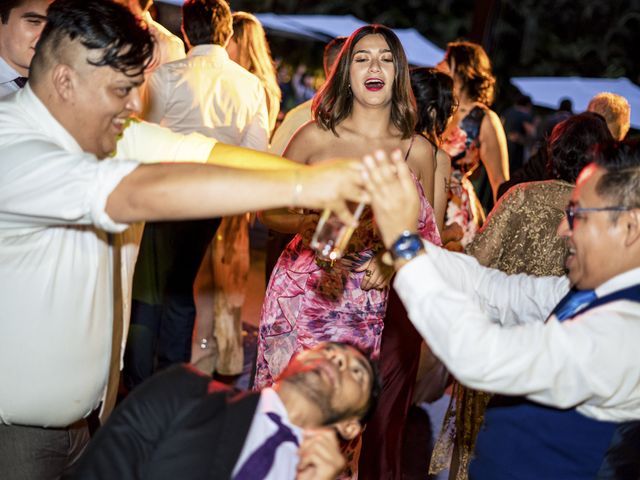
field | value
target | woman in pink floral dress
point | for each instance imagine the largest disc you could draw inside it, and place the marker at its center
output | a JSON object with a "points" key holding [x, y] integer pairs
{"points": [[366, 104], [475, 136]]}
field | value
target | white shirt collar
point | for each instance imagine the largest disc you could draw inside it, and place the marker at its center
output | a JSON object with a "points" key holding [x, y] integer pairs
{"points": [[41, 116], [619, 282], [211, 50], [270, 403], [7, 73]]}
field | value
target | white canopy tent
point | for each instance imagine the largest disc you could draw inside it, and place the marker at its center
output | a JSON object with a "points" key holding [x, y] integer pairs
{"points": [[314, 27], [419, 50], [548, 91]]}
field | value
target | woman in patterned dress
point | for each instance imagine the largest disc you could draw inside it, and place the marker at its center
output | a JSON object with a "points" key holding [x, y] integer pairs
{"points": [[401, 345], [366, 104], [475, 136]]}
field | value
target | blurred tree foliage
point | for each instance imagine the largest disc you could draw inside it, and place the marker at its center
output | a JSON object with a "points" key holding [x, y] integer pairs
{"points": [[597, 38]]}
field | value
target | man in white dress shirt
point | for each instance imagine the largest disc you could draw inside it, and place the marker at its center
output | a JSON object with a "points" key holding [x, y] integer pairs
{"points": [[63, 204], [21, 22], [210, 94], [570, 377], [207, 92], [169, 47]]}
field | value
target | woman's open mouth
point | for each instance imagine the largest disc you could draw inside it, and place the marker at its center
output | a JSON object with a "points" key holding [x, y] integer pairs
{"points": [[373, 84]]}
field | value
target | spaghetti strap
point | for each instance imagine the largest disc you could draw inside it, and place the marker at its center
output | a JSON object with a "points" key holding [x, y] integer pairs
{"points": [[406, 157]]}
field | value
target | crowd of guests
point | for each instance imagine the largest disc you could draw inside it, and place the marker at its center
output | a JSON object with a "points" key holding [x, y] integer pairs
{"points": [[132, 163]]}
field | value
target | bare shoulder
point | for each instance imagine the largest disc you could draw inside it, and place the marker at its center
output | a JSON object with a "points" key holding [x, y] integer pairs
{"points": [[422, 155], [491, 121], [443, 160], [304, 144]]}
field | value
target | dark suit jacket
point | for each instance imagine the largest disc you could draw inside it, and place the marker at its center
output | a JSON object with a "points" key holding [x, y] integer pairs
{"points": [[177, 425]]}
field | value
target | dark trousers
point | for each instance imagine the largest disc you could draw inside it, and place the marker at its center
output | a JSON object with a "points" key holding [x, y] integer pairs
{"points": [[163, 310], [36, 453]]}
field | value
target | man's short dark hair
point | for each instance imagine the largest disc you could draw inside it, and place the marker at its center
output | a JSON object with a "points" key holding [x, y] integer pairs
{"points": [[331, 52], [207, 22], [124, 41], [620, 184], [566, 105], [5, 8]]}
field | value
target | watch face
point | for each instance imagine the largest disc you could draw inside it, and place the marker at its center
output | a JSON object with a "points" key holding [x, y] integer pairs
{"points": [[407, 246]]}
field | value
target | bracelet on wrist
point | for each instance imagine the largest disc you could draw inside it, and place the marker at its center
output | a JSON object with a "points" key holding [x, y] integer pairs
{"points": [[297, 188]]}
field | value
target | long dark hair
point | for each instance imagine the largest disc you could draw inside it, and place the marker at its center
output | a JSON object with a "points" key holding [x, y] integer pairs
{"points": [[472, 65], [572, 142], [334, 102], [436, 103]]}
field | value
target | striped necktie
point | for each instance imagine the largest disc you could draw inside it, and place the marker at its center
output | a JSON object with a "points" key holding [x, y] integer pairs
{"points": [[261, 460], [20, 81]]}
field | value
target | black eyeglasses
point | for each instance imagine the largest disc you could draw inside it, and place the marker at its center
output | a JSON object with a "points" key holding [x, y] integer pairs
{"points": [[572, 209]]}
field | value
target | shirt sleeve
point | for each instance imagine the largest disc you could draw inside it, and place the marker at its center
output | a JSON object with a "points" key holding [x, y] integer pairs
{"points": [[560, 364], [506, 299], [155, 94], [43, 185], [150, 143], [256, 133]]}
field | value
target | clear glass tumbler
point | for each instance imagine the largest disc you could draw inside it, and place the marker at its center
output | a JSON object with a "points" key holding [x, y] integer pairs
{"points": [[332, 235]]}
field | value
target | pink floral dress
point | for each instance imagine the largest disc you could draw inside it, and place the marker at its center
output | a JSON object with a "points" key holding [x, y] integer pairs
{"points": [[307, 303], [462, 144]]}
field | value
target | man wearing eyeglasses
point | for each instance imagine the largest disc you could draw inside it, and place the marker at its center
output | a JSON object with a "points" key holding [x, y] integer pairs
{"points": [[566, 370]]}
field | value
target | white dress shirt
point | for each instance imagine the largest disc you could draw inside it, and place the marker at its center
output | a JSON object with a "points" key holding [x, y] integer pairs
{"points": [[168, 47], [7, 77], [262, 427], [56, 287], [488, 328], [209, 93]]}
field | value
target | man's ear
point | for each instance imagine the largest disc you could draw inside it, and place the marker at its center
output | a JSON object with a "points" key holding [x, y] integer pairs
{"points": [[348, 429], [64, 78], [632, 223]]}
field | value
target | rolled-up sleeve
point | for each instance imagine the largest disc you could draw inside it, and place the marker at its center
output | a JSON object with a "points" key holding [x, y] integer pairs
{"points": [[42, 185], [150, 143]]}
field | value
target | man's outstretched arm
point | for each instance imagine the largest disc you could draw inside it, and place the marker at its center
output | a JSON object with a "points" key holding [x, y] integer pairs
{"points": [[187, 191]]}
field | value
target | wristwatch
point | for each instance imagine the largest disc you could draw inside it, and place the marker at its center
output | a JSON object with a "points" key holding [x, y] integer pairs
{"points": [[407, 246]]}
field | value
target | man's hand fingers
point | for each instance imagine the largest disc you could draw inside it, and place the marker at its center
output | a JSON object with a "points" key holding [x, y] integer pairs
{"points": [[320, 456], [344, 213], [364, 266]]}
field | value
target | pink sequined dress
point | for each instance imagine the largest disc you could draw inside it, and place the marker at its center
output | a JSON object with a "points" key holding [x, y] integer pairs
{"points": [[306, 303]]}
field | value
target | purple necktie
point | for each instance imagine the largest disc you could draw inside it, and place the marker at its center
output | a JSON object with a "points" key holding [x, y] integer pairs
{"points": [[20, 81], [260, 461]]}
